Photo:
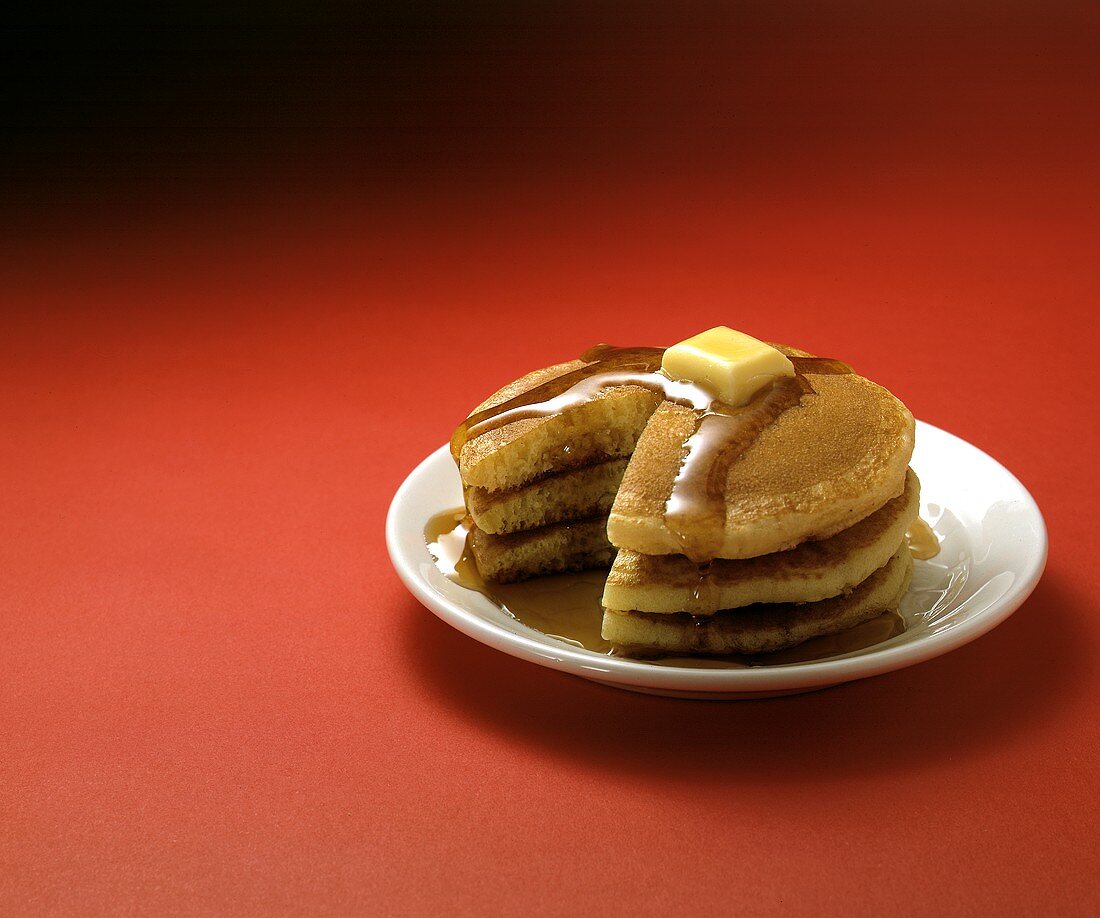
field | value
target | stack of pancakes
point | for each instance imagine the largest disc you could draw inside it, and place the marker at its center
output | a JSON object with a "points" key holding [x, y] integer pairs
{"points": [[803, 534]]}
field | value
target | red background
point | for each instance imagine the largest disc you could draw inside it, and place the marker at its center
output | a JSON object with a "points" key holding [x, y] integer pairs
{"points": [[216, 696]]}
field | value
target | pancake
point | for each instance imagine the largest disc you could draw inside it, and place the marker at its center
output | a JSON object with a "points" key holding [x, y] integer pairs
{"points": [[818, 468], [762, 628], [574, 546], [571, 495], [813, 571], [606, 426]]}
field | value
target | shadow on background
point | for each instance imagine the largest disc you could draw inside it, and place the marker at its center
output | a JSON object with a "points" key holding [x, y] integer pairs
{"points": [[1006, 682]]}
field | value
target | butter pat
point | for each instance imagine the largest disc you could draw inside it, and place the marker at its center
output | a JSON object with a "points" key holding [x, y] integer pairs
{"points": [[728, 364]]}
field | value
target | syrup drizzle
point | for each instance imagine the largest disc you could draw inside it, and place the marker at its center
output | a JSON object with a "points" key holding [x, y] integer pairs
{"points": [[696, 508], [605, 367]]}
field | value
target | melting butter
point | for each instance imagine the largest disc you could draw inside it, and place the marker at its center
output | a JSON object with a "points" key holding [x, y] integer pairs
{"points": [[731, 365]]}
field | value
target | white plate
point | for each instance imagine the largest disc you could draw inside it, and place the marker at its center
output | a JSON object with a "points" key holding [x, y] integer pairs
{"points": [[994, 548]]}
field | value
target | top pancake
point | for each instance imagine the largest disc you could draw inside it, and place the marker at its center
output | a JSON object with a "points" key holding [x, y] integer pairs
{"points": [[605, 427], [819, 468]]}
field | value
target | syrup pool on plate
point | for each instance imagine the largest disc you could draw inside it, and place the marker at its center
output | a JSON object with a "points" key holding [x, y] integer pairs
{"points": [[567, 606]]}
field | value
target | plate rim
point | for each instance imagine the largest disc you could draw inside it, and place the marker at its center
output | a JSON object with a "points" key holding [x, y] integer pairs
{"points": [[627, 672]]}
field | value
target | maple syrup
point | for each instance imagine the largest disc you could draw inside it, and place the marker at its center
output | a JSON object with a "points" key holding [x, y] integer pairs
{"points": [[567, 607], [923, 543], [696, 508], [605, 367]]}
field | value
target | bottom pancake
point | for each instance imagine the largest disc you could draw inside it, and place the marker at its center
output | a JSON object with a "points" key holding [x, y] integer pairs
{"points": [[576, 546], [762, 628]]}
